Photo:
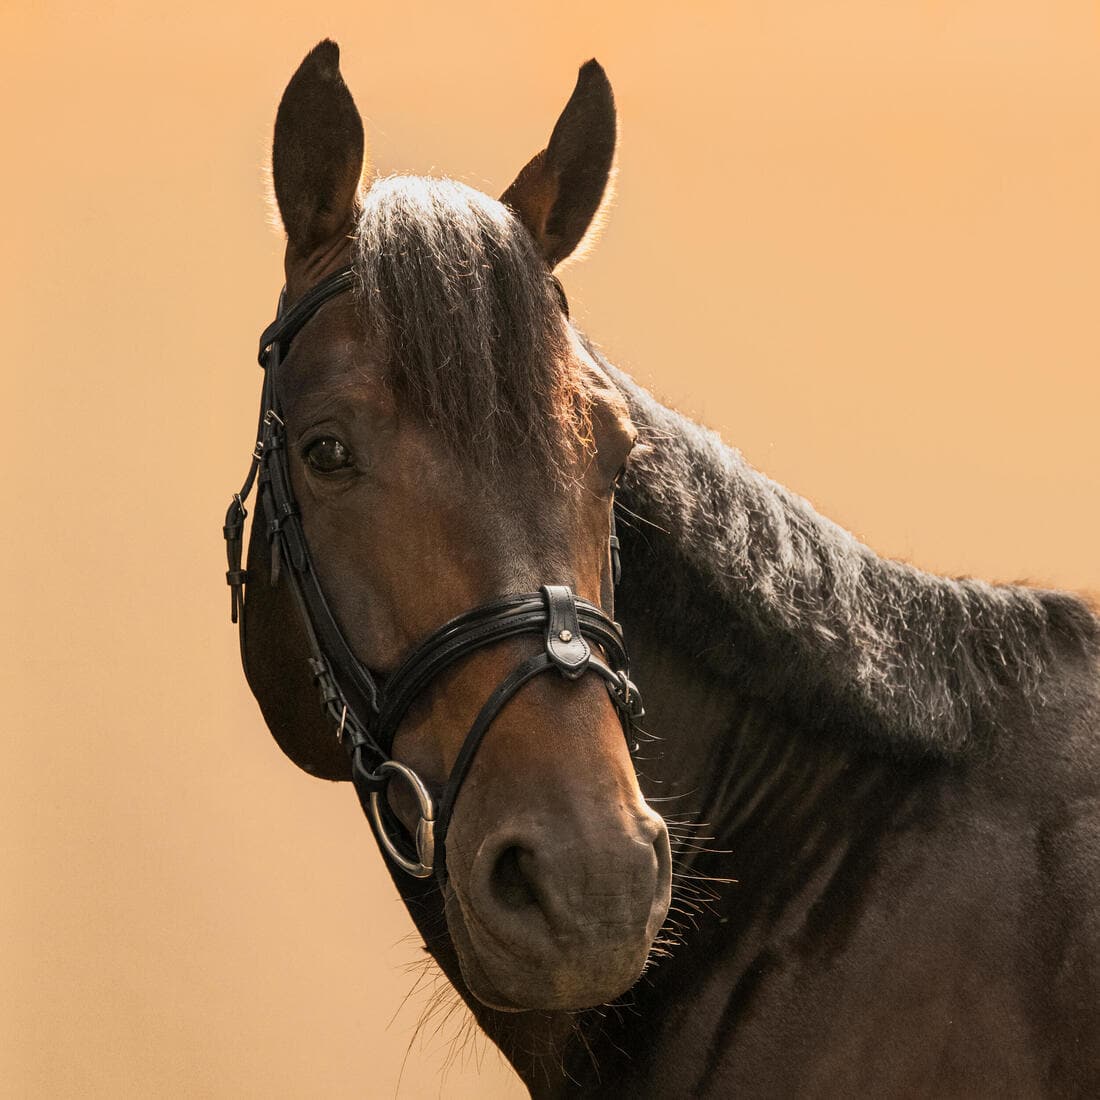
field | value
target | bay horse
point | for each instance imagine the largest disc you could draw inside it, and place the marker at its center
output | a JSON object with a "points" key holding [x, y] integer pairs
{"points": [[880, 874]]}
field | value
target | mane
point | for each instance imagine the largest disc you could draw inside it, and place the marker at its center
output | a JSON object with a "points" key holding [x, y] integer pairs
{"points": [[752, 581], [455, 290]]}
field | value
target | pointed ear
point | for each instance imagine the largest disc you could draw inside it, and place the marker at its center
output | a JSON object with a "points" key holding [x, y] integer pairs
{"points": [[317, 159], [559, 191]]}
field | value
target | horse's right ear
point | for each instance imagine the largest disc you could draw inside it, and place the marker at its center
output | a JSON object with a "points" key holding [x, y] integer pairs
{"points": [[317, 159], [559, 191]]}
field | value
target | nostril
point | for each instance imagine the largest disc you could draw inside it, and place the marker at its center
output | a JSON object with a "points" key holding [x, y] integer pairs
{"points": [[511, 882]]}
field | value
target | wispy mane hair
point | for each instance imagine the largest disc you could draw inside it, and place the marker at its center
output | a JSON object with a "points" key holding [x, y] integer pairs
{"points": [[749, 580], [455, 291]]}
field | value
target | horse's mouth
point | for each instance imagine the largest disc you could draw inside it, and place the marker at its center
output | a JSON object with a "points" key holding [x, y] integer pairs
{"points": [[544, 973]]}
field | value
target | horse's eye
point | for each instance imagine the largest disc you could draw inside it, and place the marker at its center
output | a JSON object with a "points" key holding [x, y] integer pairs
{"points": [[328, 455]]}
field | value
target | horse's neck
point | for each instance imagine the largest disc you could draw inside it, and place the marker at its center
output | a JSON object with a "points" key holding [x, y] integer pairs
{"points": [[718, 758], [781, 821]]}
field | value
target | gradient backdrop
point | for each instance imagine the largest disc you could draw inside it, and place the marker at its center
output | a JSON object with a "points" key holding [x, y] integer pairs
{"points": [[860, 239]]}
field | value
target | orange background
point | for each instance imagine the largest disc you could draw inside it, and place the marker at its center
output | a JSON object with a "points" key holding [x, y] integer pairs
{"points": [[861, 239]]}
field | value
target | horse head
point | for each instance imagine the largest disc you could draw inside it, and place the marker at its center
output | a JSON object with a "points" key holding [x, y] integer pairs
{"points": [[449, 442]]}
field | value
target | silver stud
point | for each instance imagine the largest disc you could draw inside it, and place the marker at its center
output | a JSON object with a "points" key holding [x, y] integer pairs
{"points": [[565, 636]]}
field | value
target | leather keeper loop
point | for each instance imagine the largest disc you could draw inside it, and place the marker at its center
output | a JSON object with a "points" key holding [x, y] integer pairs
{"points": [[322, 677], [565, 643]]}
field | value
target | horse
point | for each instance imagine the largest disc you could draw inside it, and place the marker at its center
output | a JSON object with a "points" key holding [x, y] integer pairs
{"points": [[878, 868]]}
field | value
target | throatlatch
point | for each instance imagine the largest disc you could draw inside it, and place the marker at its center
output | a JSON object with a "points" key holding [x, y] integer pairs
{"points": [[578, 637]]}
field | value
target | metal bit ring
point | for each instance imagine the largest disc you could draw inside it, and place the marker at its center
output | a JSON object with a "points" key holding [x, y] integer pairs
{"points": [[425, 829]]}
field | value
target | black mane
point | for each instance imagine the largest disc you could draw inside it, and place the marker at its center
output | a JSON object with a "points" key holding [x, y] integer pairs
{"points": [[456, 292], [751, 580]]}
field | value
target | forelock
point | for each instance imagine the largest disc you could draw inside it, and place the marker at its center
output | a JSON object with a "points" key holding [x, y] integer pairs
{"points": [[455, 291]]}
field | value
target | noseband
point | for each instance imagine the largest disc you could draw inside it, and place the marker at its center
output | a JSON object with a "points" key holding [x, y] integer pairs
{"points": [[577, 636]]}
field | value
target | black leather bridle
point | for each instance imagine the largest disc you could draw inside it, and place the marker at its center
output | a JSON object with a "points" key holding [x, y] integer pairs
{"points": [[578, 637]]}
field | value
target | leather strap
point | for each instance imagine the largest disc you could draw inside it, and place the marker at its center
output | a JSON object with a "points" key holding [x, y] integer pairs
{"points": [[287, 325], [507, 688], [505, 618], [616, 557]]}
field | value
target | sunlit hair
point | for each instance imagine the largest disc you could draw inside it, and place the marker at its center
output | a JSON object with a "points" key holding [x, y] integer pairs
{"points": [[800, 613], [455, 291]]}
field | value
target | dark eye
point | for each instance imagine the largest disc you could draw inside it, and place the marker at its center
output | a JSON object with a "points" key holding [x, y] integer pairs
{"points": [[328, 455]]}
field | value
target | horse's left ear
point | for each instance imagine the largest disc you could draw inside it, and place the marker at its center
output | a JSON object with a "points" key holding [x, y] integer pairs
{"points": [[560, 190]]}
